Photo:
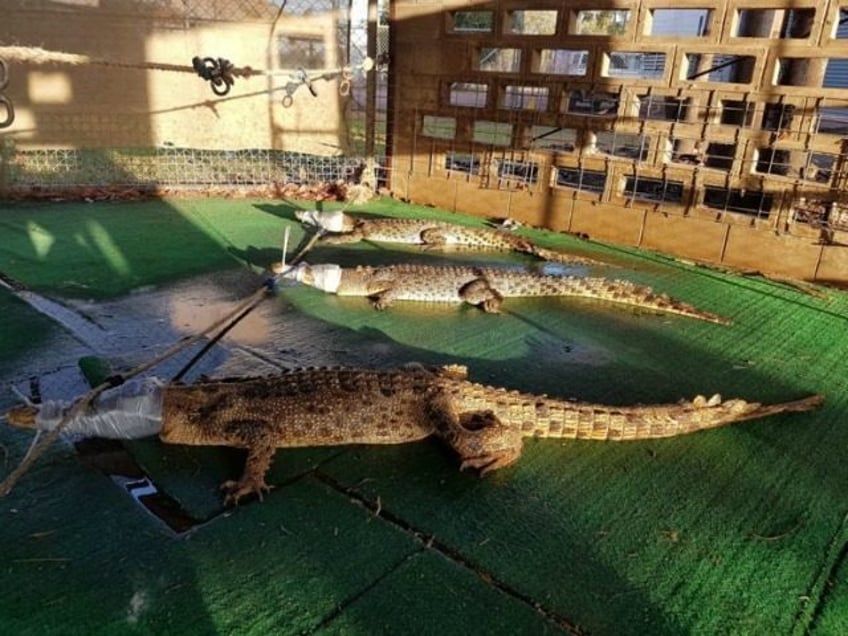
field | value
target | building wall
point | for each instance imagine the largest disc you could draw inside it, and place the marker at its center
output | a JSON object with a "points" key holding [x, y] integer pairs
{"points": [[711, 130], [112, 103]]}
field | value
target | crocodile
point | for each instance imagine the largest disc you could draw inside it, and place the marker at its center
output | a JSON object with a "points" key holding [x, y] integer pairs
{"points": [[484, 287], [341, 228], [484, 425]]}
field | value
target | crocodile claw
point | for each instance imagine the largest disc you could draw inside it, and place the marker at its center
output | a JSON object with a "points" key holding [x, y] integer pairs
{"points": [[490, 461], [236, 490]]}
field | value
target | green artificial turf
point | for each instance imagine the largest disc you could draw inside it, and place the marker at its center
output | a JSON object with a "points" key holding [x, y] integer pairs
{"points": [[85, 250], [739, 530], [22, 327]]}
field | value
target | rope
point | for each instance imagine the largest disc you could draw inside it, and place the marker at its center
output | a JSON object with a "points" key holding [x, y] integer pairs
{"points": [[219, 72], [240, 311], [86, 400], [238, 318], [37, 55]]}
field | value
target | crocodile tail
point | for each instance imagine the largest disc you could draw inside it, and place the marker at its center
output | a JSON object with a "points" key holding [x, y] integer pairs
{"points": [[590, 421], [616, 291], [553, 256], [644, 296]]}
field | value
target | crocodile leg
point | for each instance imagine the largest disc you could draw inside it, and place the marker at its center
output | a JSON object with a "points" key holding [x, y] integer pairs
{"points": [[434, 237], [480, 439], [259, 441], [479, 292], [342, 238], [383, 299]]}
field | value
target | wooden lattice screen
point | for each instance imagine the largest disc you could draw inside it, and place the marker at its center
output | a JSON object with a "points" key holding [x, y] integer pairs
{"points": [[715, 130]]}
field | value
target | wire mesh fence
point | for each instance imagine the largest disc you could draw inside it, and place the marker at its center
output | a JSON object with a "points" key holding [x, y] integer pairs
{"points": [[175, 167]]}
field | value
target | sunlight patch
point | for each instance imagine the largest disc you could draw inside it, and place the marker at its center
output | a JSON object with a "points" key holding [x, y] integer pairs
{"points": [[41, 239], [108, 248]]}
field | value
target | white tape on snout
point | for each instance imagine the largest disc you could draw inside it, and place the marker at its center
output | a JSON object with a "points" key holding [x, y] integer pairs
{"points": [[326, 277], [329, 220]]}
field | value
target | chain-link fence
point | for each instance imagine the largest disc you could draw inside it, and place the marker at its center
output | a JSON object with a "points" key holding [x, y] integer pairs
{"points": [[176, 167]]}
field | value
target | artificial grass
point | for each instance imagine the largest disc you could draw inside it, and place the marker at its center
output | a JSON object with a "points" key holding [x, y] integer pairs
{"points": [[23, 329], [85, 250], [81, 250], [732, 531]]}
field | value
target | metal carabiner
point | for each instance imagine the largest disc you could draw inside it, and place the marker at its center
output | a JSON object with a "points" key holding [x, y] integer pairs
{"points": [[10, 112], [5, 101], [218, 72]]}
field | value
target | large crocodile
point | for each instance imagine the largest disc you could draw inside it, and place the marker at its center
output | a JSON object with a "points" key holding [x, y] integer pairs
{"points": [[343, 228], [485, 287], [334, 406]]}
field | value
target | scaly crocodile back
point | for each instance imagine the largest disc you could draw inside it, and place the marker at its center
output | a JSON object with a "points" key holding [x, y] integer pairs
{"points": [[484, 425], [521, 284], [303, 407], [332, 406], [445, 283], [442, 234], [449, 234]]}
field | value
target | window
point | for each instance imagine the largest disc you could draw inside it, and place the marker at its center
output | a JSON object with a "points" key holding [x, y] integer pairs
{"points": [[458, 162], [679, 22], [836, 73], [619, 144], [814, 212], [636, 65], [795, 71], [706, 67], [662, 108], [524, 171], [600, 22], [525, 98], [833, 120], [841, 27], [492, 132], [774, 23], [597, 104], [471, 22], [438, 127], [819, 168], [579, 179], [720, 156], [757, 204], [468, 94], [562, 62], [499, 60], [777, 116], [550, 138], [737, 112], [823, 213], [773, 161], [531, 22], [655, 190]]}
